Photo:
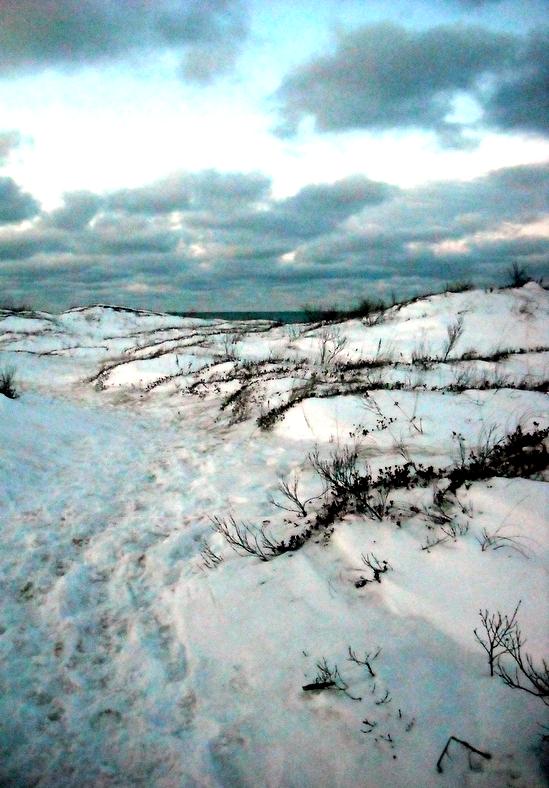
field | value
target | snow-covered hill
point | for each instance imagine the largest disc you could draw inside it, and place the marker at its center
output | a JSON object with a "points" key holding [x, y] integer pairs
{"points": [[383, 481]]}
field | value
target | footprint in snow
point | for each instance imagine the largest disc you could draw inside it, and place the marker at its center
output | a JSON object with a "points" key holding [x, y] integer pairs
{"points": [[225, 750], [105, 719]]}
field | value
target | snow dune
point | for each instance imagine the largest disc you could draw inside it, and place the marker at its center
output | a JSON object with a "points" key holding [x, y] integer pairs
{"points": [[130, 656]]}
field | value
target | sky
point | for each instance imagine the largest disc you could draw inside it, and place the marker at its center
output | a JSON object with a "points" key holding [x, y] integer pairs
{"points": [[254, 155]]}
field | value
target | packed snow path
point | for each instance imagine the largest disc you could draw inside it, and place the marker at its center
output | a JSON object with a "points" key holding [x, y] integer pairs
{"points": [[80, 543], [126, 661]]}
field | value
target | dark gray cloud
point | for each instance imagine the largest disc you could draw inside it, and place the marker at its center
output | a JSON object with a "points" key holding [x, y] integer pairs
{"points": [[169, 195], [206, 190], [15, 204], [35, 34], [325, 205], [430, 215], [212, 189], [521, 99], [385, 76], [229, 243], [20, 245], [110, 235], [315, 209], [77, 211], [119, 235]]}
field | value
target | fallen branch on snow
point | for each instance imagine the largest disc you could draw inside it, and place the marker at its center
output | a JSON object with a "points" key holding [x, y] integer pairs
{"points": [[464, 744]]}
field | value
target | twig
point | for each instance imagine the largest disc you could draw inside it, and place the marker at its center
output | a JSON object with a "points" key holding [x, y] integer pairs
{"points": [[366, 661], [465, 744], [329, 678]]}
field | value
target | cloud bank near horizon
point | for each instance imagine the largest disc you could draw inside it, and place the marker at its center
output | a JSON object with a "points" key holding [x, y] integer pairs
{"points": [[213, 240]]}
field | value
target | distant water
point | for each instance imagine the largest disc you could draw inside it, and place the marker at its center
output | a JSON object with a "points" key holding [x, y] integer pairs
{"points": [[282, 317]]}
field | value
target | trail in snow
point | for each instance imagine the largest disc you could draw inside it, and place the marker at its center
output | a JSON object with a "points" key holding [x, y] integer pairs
{"points": [[77, 549]]}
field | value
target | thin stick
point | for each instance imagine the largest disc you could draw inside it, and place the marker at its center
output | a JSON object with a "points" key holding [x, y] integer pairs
{"points": [[465, 744]]}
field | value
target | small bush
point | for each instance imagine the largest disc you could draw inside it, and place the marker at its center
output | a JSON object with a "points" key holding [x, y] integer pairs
{"points": [[517, 276], [367, 308], [230, 345], [7, 383], [454, 331], [519, 454], [330, 345], [245, 539], [422, 356], [10, 306], [328, 678], [496, 541], [502, 638], [239, 401], [249, 540], [497, 633], [348, 485], [366, 661], [377, 568], [459, 287], [340, 471], [450, 531], [316, 314], [267, 419]]}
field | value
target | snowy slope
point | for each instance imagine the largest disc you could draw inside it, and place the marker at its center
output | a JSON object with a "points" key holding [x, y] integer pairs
{"points": [[138, 648]]}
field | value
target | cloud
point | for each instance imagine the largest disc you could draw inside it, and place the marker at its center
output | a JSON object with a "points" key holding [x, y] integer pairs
{"points": [[15, 205], [328, 204], [124, 235], [202, 64], [385, 76], [227, 241], [521, 100], [35, 34], [428, 216], [9, 140], [20, 245], [316, 208], [206, 190], [78, 210], [162, 197], [212, 189]]}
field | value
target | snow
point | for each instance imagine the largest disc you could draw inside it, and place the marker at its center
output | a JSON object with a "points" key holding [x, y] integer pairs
{"points": [[125, 660]]}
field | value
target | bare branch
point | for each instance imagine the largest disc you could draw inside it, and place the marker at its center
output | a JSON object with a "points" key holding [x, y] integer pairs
{"points": [[464, 744], [453, 331], [244, 538], [524, 667], [290, 490], [499, 632], [378, 568], [366, 662], [210, 559], [330, 344]]}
